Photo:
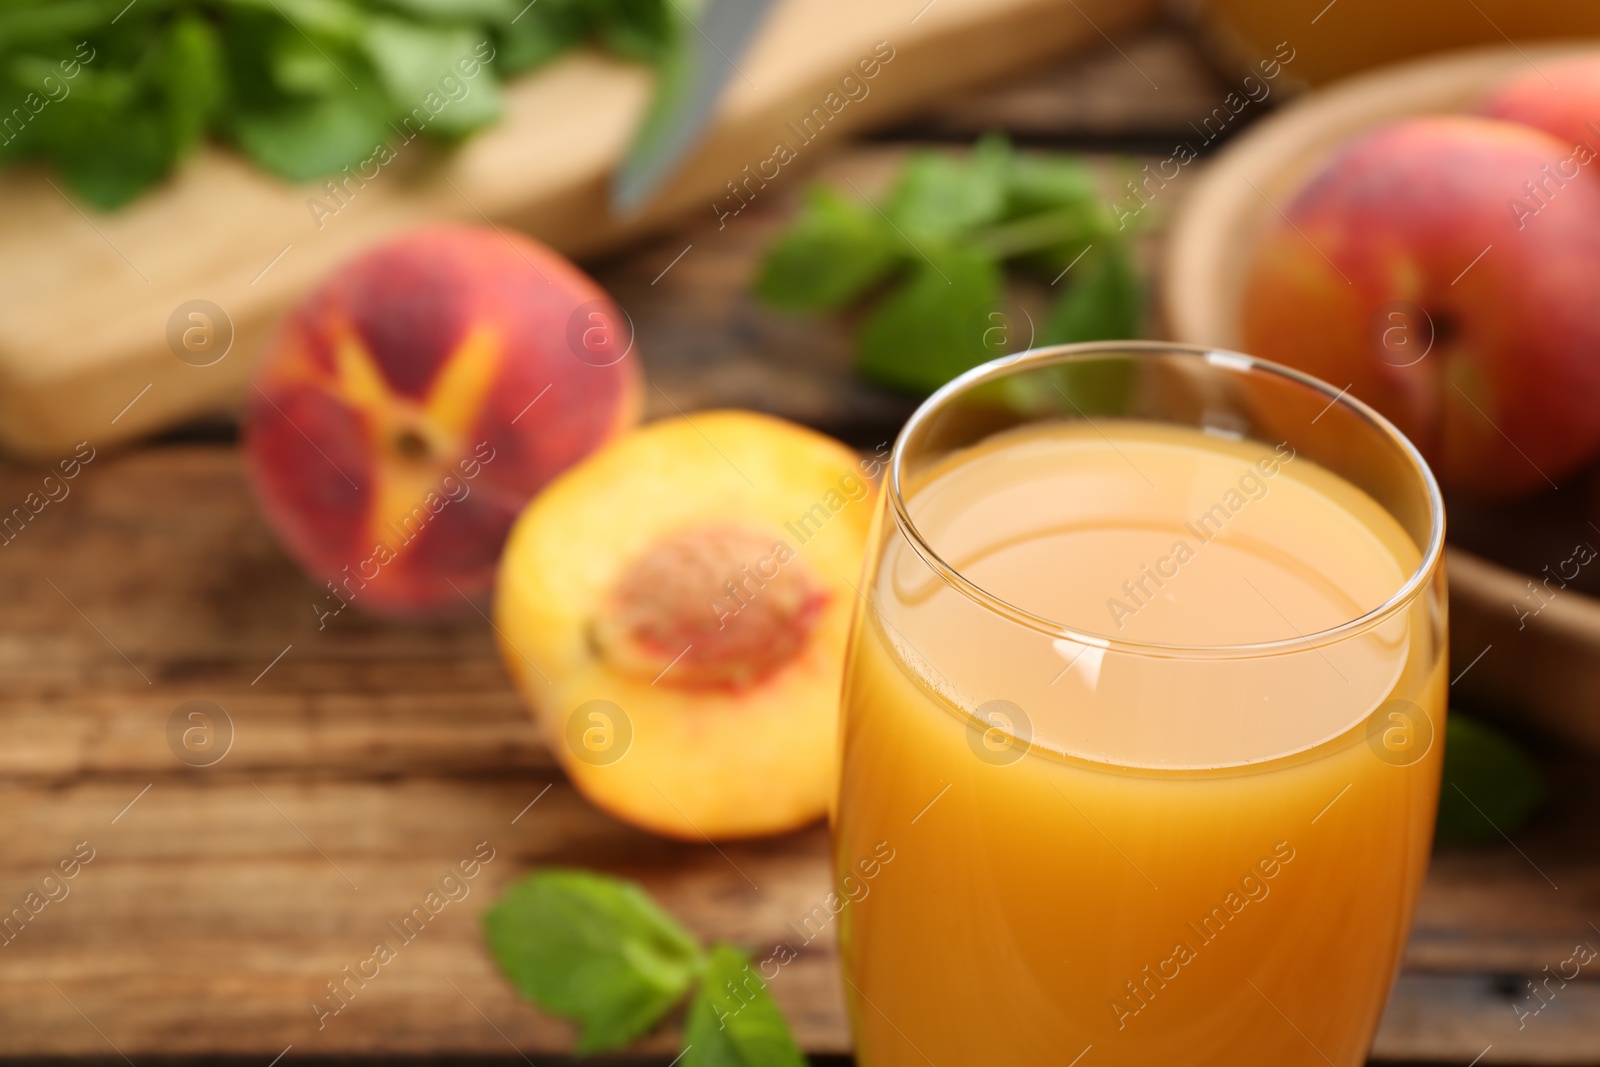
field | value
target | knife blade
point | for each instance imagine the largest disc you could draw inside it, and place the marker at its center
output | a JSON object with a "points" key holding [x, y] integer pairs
{"points": [[689, 83]]}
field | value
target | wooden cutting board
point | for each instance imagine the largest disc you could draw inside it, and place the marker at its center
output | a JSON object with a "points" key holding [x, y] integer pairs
{"points": [[367, 758], [86, 298]]}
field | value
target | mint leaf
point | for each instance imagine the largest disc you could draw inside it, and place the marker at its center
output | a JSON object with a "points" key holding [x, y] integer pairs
{"points": [[1105, 303], [592, 949], [417, 63], [733, 1021], [1490, 785], [192, 70], [299, 68], [940, 195], [934, 327], [304, 87], [494, 11], [949, 225], [645, 31], [335, 20], [1045, 183], [301, 140], [47, 24], [539, 34], [131, 156], [832, 253]]}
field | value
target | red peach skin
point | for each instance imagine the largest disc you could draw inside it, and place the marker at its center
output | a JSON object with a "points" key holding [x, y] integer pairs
{"points": [[1508, 398], [409, 408]]}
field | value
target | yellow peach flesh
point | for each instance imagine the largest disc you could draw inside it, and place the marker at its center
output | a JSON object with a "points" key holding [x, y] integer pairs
{"points": [[614, 594]]}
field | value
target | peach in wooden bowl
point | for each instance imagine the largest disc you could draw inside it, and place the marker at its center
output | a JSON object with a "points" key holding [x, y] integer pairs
{"points": [[1371, 234]]}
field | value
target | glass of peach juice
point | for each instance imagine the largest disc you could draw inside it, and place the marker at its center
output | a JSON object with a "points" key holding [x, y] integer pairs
{"points": [[1145, 701]]}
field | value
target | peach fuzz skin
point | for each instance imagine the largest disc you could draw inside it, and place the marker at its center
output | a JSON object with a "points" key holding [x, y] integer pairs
{"points": [[1562, 98], [1502, 403], [389, 435]]}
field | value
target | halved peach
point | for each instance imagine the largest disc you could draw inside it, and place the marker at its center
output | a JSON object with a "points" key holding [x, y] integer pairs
{"points": [[675, 607]]}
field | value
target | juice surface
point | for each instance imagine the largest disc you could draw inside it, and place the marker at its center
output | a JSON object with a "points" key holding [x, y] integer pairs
{"points": [[1185, 860]]}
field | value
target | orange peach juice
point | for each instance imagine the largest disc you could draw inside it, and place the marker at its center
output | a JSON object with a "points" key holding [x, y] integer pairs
{"points": [[1139, 848]]}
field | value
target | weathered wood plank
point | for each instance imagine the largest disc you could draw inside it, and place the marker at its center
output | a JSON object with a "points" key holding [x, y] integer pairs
{"points": [[1140, 88], [207, 922], [155, 582], [214, 912], [1459, 1018]]}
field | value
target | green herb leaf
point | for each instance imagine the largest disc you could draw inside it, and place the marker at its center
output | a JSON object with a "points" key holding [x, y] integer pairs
{"points": [[1105, 304], [942, 196], [132, 155], [595, 950], [41, 26], [498, 12], [937, 325], [645, 31], [833, 252], [194, 80], [337, 21], [305, 87], [302, 140], [1044, 183], [948, 226], [1054, 210], [300, 68], [733, 1021], [1490, 785], [540, 33], [419, 65]]}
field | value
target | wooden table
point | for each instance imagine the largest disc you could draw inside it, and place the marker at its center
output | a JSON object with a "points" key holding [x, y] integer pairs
{"points": [[367, 757]]}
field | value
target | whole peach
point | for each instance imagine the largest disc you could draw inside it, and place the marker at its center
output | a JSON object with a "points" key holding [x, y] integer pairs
{"points": [[1416, 269], [408, 408]]}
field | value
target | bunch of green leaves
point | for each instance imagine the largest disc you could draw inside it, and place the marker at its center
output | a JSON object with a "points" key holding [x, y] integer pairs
{"points": [[598, 951], [1490, 786], [935, 252], [302, 87]]}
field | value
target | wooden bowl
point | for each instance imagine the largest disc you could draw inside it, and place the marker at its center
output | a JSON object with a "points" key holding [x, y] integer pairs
{"points": [[1543, 670]]}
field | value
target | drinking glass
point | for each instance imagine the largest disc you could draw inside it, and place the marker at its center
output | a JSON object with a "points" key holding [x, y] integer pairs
{"points": [[1143, 718]]}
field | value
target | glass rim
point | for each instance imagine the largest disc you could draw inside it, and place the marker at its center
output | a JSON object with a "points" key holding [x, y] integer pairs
{"points": [[1051, 355]]}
